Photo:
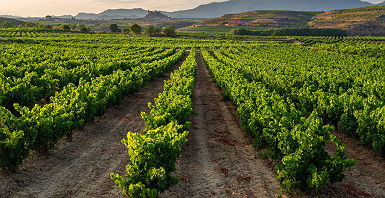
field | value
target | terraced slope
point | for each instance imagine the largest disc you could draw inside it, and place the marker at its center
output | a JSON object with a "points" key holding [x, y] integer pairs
{"points": [[364, 21], [263, 19]]}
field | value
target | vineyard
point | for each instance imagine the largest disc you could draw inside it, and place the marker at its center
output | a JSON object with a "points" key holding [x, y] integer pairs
{"points": [[292, 116]]}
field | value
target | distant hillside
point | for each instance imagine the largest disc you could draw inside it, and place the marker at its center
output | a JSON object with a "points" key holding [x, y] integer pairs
{"points": [[364, 21], [239, 6], [263, 19], [10, 16], [218, 9], [115, 14], [12, 21]]}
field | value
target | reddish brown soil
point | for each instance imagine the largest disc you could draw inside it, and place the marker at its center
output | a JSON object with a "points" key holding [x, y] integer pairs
{"points": [[366, 178], [82, 167], [219, 160]]}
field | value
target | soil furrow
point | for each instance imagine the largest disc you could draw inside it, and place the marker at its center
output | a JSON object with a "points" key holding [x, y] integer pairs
{"points": [[81, 167], [365, 179], [219, 160]]}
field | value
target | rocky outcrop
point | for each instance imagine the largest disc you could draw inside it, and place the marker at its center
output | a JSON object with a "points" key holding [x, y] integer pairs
{"points": [[156, 16]]}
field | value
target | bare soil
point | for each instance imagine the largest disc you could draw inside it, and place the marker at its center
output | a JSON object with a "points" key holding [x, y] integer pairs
{"points": [[81, 167], [356, 23], [219, 160], [366, 178]]}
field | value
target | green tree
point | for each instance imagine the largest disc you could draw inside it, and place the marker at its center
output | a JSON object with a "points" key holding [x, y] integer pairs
{"points": [[114, 28], [169, 31], [152, 31], [84, 29], [126, 30], [149, 31], [135, 29], [157, 31], [65, 27]]}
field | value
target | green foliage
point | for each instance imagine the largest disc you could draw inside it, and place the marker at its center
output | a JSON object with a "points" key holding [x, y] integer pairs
{"points": [[66, 28], [276, 33], [30, 24], [361, 9], [290, 32], [84, 29], [151, 31], [6, 24], [114, 28], [13, 148], [48, 27], [126, 30], [340, 88], [135, 29], [268, 116], [169, 31], [40, 127], [152, 159], [34, 86], [286, 96], [154, 152]]}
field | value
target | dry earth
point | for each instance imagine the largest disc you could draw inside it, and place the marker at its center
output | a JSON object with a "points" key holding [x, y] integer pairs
{"points": [[366, 178], [218, 160], [82, 167]]}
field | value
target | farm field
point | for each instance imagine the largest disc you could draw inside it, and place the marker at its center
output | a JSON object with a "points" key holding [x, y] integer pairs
{"points": [[290, 116]]}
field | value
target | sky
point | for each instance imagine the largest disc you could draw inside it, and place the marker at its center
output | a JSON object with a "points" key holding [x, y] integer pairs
{"points": [[40, 8]]}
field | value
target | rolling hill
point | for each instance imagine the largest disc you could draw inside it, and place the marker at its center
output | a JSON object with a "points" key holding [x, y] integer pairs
{"points": [[115, 14], [263, 19], [238, 6], [364, 21], [218, 9], [12, 21]]}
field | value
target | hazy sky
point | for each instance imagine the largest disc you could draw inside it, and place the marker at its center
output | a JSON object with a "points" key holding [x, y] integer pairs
{"points": [[60, 7]]}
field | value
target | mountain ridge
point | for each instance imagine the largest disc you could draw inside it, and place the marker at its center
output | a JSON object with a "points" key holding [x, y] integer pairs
{"points": [[217, 9]]}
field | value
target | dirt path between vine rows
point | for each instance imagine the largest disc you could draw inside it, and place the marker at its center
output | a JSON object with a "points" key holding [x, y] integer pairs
{"points": [[219, 160], [82, 167], [365, 179]]}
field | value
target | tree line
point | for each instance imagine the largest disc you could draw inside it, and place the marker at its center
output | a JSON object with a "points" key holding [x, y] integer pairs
{"points": [[149, 31]]}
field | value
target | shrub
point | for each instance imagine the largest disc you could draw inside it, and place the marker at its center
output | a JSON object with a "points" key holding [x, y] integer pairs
{"points": [[114, 28], [135, 29], [169, 31]]}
